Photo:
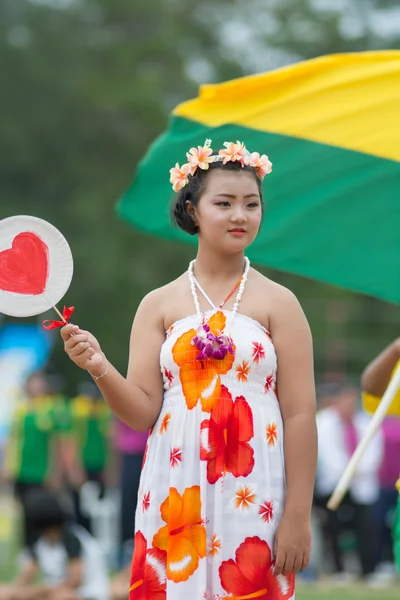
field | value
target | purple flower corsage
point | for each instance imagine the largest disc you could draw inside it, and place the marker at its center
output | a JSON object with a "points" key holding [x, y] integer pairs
{"points": [[210, 345]]}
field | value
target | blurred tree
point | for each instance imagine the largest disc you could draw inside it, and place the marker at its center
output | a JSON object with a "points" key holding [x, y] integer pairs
{"points": [[88, 84], [265, 34], [85, 89]]}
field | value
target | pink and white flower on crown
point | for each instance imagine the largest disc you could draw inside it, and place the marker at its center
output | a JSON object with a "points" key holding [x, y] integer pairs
{"points": [[234, 152], [179, 176], [200, 157], [261, 163]]}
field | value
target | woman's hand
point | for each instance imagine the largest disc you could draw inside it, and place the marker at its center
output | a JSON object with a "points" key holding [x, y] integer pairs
{"points": [[84, 350], [292, 546]]}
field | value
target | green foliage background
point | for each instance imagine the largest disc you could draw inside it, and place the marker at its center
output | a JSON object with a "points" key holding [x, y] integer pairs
{"points": [[86, 85]]}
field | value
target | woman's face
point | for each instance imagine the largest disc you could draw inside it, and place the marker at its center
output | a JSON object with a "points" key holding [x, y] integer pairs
{"points": [[229, 211]]}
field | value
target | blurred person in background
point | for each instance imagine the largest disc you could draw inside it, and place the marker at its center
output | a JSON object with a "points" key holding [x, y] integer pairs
{"points": [[129, 446], [65, 556], [34, 451], [340, 427], [375, 379], [326, 396], [90, 440]]}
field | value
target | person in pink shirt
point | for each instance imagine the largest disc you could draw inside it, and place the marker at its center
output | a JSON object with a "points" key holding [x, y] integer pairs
{"points": [[375, 380], [386, 505], [130, 446], [341, 425]]}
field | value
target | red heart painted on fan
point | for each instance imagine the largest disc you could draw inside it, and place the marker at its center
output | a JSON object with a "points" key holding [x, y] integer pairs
{"points": [[24, 268]]}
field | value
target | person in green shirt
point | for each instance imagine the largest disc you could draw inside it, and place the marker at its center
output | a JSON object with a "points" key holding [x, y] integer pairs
{"points": [[91, 427], [33, 455]]}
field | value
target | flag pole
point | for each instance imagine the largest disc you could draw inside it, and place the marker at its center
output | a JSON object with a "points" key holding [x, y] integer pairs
{"points": [[373, 427]]}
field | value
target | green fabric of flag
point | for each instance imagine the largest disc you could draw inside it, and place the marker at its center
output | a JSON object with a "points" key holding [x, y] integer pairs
{"points": [[331, 127]]}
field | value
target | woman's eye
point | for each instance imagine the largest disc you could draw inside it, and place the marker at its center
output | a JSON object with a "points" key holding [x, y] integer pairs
{"points": [[253, 205], [222, 204]]}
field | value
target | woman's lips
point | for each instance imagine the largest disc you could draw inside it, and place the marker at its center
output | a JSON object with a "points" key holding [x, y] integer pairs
{"points": [[237, 232]]}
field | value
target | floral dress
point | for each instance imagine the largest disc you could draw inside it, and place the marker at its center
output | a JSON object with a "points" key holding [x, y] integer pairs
{"points": [[212, 488]]}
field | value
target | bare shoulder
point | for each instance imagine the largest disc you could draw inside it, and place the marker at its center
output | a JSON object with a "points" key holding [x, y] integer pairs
{"points": [[157, 303], [276, 293], [150, 302], [281, 303]]}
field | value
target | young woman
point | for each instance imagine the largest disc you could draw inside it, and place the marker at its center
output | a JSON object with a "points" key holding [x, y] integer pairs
{"points": [[221, 371]]}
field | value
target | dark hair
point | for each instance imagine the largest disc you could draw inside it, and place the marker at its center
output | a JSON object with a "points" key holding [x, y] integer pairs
{"points": [[193, 191], [44, 510]]}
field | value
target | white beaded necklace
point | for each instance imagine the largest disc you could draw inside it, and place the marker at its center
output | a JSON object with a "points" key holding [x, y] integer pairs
{"points": [[193, 283]]}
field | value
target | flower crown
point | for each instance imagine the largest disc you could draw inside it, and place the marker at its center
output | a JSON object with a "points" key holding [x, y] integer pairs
{"points": [[202, 156]]}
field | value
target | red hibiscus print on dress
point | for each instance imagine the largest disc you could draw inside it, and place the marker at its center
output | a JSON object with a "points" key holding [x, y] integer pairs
{"points": [[175, 457], [225, 437], [258, 352], [148, 575], [251, 575], [266, 511], [169, 378], [269, 382], [146, 502]]}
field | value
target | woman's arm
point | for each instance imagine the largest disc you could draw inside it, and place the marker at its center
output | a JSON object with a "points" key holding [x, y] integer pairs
{"points": [[293, 343], [377, 374], [296, 393], [136, 399]]}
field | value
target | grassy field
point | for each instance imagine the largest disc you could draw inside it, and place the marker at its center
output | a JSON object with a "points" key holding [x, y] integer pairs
{"points": [[320, 591], [303, 592], [324, 592]]}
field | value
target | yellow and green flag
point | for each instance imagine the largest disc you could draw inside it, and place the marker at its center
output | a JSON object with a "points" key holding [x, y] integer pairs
{"points": [[331, 127]]}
